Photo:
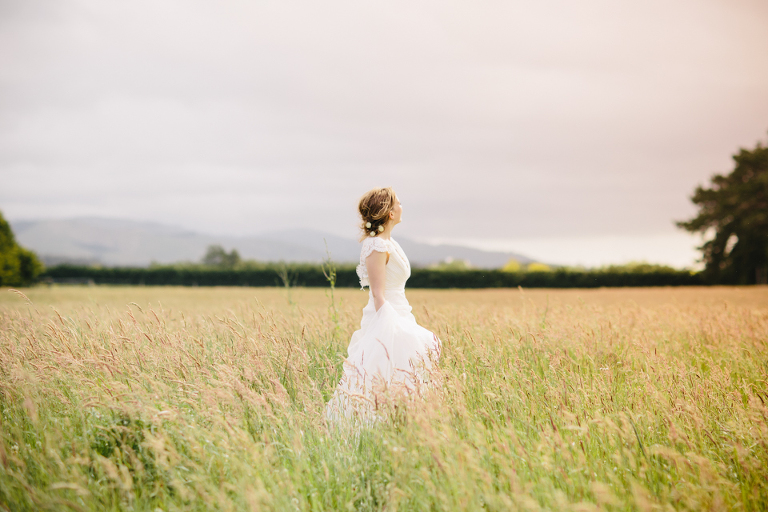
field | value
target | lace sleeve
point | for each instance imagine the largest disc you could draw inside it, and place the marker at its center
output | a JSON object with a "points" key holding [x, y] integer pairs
{"points": [[370, 244]]}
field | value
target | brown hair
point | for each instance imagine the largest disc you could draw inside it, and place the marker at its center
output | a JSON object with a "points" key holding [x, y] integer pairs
{"points": [[374, 207]]}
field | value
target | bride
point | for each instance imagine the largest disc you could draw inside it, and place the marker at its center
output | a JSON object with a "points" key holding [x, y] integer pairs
{"points": [[390, 351]]}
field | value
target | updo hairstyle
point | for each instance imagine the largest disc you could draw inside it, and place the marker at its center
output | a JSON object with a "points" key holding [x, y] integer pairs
{"points": [[374, 207]]}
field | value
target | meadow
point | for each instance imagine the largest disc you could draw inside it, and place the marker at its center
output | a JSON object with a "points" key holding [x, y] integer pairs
{"points": [[166, 399]]}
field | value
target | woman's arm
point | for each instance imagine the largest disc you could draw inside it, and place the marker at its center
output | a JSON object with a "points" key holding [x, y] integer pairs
{"points": [[376, 265]]}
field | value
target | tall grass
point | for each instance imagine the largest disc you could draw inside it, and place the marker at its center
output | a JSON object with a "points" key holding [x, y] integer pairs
{"points": [[168, 399]]}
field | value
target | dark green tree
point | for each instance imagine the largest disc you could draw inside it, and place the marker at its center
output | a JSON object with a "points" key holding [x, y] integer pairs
{"points": [[18, 266], [735, 209], [216, 256]]}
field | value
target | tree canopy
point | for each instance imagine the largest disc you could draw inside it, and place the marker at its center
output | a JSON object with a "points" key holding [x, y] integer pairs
{"points": [[216, 256], [733, 210], [512, 266], [18, 266]]}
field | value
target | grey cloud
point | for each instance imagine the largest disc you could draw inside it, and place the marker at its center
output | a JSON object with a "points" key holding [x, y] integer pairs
{"points": [[493, 119]]}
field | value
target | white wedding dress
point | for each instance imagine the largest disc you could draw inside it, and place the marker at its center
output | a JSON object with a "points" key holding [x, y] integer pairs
{"points": [[390, 350]]}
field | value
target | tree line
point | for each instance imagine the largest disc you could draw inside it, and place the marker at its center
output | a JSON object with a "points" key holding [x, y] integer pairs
{"points": [[313, 276]]}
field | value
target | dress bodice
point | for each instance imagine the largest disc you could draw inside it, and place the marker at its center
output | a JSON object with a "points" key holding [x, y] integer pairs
{"points": [[398, 268]]}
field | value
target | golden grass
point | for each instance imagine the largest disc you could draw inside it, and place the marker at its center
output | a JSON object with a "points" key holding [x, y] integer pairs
{"points": [[138, 398]]}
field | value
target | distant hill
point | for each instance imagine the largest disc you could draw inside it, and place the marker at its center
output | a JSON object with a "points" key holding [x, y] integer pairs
{"points": [[123, 242]]}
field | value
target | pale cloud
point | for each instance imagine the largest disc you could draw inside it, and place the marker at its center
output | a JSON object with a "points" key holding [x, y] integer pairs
{"points": [[511, 120]]}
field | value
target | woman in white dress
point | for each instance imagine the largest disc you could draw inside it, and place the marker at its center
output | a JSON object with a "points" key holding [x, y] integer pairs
{"points": [[390, 351]]}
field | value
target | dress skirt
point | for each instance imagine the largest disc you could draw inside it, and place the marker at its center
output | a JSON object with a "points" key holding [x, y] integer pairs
{"points": [[389, 351]]}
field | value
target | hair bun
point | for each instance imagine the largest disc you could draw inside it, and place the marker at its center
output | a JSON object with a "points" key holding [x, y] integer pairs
{"points": [[374, 208]]}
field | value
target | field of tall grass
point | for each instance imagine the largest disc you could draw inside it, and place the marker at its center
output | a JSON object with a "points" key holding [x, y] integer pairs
{"points": [[163, 399]]}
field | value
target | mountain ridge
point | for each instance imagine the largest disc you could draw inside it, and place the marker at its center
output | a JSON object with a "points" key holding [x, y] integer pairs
{"points": [[123, 242]]}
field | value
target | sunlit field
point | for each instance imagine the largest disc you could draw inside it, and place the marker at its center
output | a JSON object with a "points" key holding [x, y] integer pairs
{"points": [[141, 398]]}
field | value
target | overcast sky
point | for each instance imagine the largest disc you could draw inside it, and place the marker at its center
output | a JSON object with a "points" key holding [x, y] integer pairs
{"points": [[582, 127]]}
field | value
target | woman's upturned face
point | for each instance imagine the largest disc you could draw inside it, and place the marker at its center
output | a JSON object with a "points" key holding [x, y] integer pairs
{"points": [[397, 212]]}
